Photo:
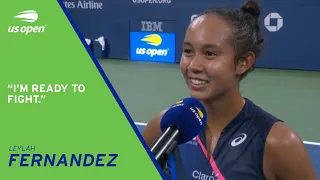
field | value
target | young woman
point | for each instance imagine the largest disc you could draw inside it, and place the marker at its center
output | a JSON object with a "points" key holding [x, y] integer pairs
{"points": [[241, 141]]}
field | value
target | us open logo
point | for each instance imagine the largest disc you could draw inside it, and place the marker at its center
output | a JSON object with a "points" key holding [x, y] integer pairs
{"points": [[28, 17], [198, 113]]}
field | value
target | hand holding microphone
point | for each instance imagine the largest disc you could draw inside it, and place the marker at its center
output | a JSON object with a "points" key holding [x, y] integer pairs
{"points": [[180, 123]]}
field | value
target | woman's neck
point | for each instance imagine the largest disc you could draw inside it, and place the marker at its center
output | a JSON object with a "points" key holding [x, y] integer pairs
{"points": [[221, 112]]}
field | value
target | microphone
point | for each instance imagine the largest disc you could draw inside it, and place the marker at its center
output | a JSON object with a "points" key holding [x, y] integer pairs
{"points": [[180, 123]]}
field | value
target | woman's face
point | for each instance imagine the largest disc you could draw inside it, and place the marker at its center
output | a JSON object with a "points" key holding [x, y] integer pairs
{"points": [[207, 61]]}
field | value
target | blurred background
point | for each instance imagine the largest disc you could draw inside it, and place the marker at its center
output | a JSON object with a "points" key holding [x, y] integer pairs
{"points": [[139, 44]]}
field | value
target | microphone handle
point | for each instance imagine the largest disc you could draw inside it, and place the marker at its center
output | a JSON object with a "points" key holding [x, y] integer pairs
{"points": [[165, 145]]}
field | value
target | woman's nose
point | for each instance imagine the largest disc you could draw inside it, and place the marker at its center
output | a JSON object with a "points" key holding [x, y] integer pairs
{"points": [[196, 65]]}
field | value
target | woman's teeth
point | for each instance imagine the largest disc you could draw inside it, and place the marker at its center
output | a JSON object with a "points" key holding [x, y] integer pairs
{"points": [[198, 82]]}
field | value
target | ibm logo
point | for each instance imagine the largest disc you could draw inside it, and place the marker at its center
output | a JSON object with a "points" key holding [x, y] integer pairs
{"points": [[151, 26]]}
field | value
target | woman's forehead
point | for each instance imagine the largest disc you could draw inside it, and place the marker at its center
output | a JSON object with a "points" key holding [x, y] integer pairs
{"points": [[208, 29]]}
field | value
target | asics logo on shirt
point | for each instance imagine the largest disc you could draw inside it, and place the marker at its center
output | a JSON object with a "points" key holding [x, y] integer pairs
{"points": [[240, 139]]}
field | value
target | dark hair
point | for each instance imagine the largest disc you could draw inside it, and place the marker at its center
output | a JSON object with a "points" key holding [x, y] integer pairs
{"points": [[245, 29]]}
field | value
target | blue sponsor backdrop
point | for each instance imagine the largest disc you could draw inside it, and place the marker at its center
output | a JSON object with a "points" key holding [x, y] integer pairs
{"points": [[153, 47], [290, 27]]}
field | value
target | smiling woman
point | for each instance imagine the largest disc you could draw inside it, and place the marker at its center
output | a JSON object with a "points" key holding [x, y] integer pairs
{"points": [[240, 141]]}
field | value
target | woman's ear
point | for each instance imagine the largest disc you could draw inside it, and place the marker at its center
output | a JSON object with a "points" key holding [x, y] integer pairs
{"points": [[245, 63]]}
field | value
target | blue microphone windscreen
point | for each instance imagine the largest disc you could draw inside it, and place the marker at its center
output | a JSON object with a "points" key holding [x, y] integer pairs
{"points": [[188, 115]]}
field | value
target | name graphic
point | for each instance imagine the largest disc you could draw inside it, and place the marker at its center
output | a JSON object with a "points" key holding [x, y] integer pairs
{"points": [[25, 156], [22, 148]]}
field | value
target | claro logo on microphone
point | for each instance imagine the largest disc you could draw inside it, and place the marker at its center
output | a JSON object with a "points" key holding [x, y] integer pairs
{"points": [[198, 113]]}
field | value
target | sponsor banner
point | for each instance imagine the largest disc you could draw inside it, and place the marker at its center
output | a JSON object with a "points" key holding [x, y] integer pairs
{"points": [[83, 4], [280, 25], [151, 1], [153, 47], [149, 25]]}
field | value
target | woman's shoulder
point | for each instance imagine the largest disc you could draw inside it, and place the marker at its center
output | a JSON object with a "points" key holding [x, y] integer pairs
{"points": [[152, 130], [260, 119], [257, 113], [285, 149]]}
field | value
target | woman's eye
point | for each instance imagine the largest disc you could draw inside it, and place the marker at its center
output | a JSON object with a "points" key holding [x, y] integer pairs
{"points": [[187, 51], [208, 53]]}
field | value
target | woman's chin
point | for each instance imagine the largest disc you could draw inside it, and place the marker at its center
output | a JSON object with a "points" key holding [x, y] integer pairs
{"points": [[200, 95]]}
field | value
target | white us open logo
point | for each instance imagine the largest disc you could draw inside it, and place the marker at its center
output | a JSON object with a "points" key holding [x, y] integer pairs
{"points": [[28, 16]]}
